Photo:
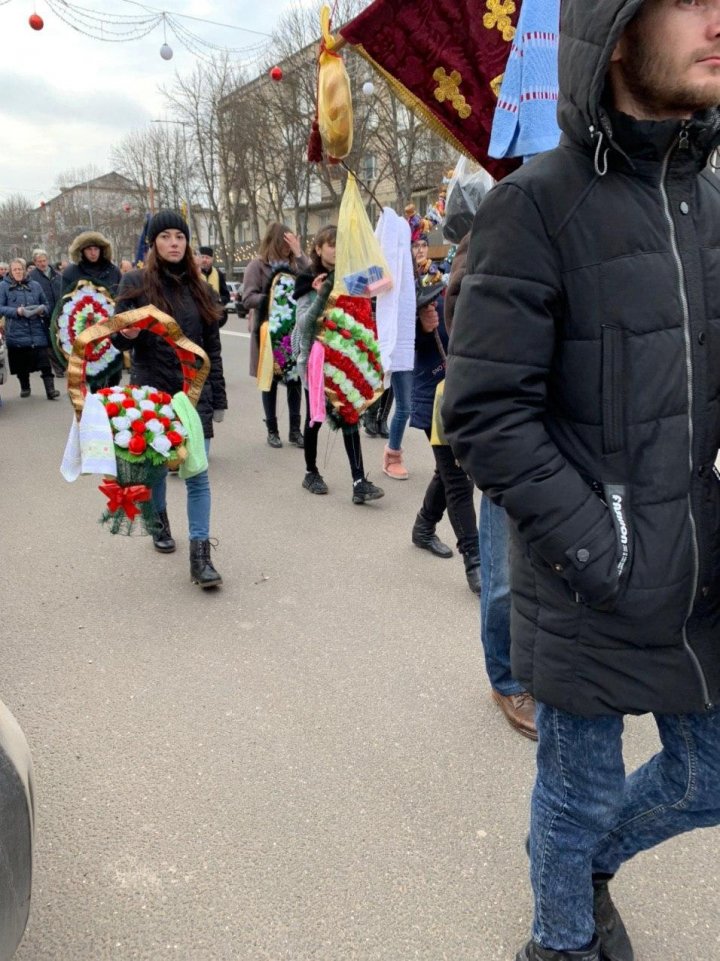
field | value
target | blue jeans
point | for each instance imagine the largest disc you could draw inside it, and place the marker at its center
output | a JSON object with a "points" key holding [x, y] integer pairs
{"points": [[588, 818], [198, 501], [401, 381], [495, 597]]}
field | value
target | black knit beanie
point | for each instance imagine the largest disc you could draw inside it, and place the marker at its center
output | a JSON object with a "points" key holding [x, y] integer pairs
{"points": [[166, 220]]}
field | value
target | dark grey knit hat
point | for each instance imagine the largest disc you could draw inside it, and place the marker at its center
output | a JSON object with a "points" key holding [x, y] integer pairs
{"points": [[166, 220]]}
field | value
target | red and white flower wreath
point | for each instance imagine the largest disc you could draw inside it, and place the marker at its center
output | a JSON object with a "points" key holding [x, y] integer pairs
{"points": [[85, 306]]}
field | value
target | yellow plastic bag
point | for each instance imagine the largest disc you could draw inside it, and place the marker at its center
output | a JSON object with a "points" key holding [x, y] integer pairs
{"points": [[437, 432], [335, 110], [265, 366], [360, 266]]}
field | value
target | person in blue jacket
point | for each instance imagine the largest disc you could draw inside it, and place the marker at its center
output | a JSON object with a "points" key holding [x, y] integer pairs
{"points": [[450, 488], [24, 307]]}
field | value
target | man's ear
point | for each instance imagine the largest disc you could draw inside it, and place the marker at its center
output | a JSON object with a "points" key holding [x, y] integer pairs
{"points": [[619, 50]]}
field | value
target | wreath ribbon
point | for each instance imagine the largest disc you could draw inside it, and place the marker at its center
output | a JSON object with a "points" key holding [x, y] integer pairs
{"points": [[125, 498]]}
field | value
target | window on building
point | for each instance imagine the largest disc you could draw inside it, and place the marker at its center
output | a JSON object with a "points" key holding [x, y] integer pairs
{"points": [[368, 167]]}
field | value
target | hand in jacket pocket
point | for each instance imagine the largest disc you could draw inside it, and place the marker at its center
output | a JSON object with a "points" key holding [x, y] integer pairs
{"points": [[591, 567]]}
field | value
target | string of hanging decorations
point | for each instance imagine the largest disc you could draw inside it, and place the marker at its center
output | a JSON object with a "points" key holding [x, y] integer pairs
{"points": [[123, 28]]}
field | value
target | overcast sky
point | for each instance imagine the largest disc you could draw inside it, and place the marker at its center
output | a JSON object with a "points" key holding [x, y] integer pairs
{"points": [[65, 98]]}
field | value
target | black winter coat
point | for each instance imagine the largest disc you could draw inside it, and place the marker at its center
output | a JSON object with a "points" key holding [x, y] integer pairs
{"points": [[155, 363], [51, 286], [583, 395], [103, 273]]}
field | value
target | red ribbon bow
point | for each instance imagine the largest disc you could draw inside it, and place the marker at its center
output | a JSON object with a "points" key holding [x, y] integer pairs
{"points": [[125, 498]]}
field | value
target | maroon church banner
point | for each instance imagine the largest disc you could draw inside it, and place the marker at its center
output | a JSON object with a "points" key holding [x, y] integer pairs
{"points": [[445, 60]]}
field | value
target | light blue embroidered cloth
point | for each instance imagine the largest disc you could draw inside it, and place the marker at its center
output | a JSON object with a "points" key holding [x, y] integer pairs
{"points": [[525, 121]]}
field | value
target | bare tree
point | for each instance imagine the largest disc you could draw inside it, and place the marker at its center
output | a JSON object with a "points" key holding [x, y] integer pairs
{"points": [[155, 160], [18, 233]]}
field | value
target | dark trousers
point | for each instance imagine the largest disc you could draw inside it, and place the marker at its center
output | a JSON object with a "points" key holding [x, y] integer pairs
{"points": [[351, 439], [294, 397], [451, 489]]}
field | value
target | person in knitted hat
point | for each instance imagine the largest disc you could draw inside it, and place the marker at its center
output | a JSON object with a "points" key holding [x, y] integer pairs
{"points": [[171, 282], [214, 276]]}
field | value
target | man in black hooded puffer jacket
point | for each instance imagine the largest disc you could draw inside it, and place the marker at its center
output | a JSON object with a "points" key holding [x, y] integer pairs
{"points": [[583, 396]]}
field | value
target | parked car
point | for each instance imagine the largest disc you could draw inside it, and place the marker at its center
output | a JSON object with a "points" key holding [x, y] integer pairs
{"points": [[236, 305]]}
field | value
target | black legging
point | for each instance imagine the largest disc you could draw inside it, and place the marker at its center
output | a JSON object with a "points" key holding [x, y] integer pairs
{"points": [[294, 398], [351, 439], [450, 488]]}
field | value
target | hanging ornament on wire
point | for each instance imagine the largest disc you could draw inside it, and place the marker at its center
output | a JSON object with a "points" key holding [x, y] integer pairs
{"points": [[166, 51], [36, 21], [368, 88], [276, 74]]}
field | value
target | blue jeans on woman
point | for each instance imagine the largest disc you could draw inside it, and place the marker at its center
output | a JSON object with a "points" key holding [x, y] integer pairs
{"points": [[588, 818], [495, 597], [198, 501], [401, 381]]}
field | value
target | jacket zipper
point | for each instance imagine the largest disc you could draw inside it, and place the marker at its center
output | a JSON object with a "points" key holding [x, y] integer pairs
{"points": [[683, 144]]}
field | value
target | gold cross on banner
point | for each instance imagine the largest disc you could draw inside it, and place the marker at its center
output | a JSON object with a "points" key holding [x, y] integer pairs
{"points": [[448, 88], [499, 16]]}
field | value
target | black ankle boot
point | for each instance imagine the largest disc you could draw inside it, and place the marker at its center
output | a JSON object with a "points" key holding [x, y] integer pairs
{"points": [[383, 429], [609, 925], [471, 559], [296, 437], [273, 436], [370, 422], [424, 536], [162, 538], [533, 952], [50, 391], [202, 571]]}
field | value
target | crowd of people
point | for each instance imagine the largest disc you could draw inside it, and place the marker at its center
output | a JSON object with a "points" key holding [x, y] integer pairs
{"points": [[575, 357]]}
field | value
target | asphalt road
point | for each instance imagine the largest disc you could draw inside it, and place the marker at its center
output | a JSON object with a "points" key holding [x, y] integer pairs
{"points": [[303, 765]]}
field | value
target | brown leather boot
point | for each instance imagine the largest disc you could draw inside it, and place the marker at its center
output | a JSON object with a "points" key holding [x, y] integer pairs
{"points": [[519, 710], [393, 464]]}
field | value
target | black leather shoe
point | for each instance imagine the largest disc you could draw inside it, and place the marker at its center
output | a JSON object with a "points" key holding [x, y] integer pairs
{"points": [[533, 952], [295, 437], [273, 439], [25, 392], [424, 536], [162, 538], [609, 925]]}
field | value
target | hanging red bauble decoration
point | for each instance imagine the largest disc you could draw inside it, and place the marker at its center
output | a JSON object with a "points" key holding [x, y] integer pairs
{"points": [[276, 73], [36, 21]]}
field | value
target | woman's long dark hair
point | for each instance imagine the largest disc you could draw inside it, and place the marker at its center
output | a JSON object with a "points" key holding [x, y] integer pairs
{"points": [[153, 278]]}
